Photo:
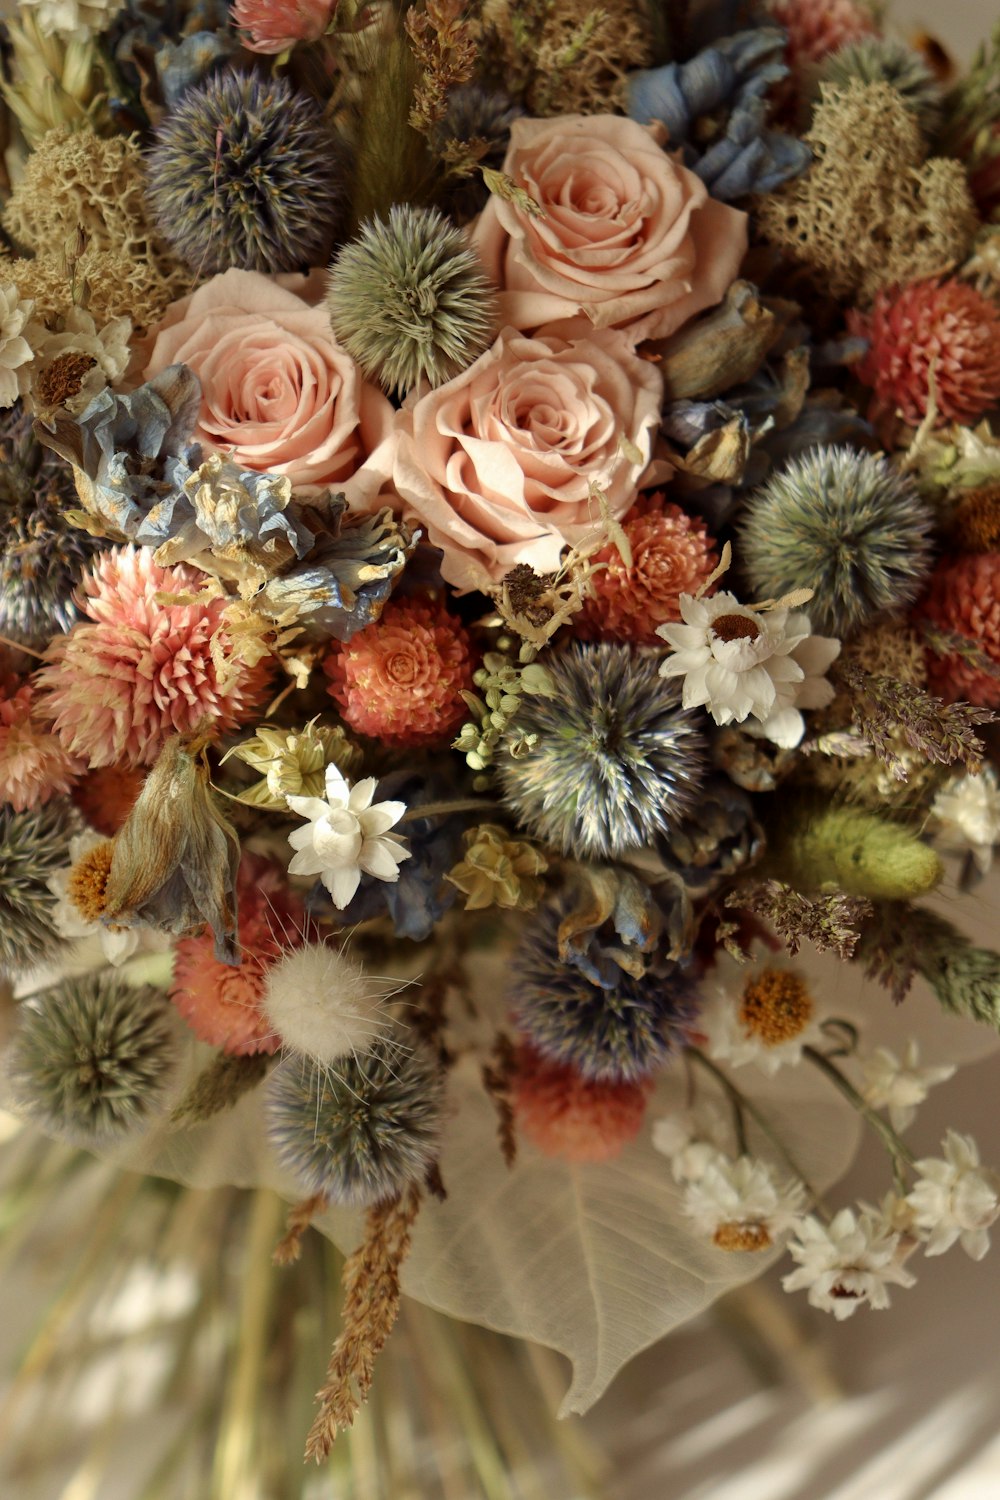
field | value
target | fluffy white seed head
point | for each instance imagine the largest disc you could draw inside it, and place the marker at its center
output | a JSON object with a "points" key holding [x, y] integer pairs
{"points": [[323, 1004]]}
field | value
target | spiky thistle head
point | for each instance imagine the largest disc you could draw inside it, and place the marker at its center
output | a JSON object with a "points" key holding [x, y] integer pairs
{"points": [[245, 173], [91, 1056], [846, 525], [885, 59], [614, 1035], [410, 301], [614, 760], [33, 846], [358, 1131], [42, 557]]}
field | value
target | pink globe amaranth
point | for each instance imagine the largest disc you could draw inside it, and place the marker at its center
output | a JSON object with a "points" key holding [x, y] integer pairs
{"points": [[815, 28], [119, 684], [964, 599], [34, 764], [568, 1116], [400, 680], [672, 554], [223, 1005], [272, 26], [947, 326]]}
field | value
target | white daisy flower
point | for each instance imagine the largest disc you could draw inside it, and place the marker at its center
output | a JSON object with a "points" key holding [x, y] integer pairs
{"points": [[853, 1259], [741, 664], [768, 1024], [106, 348], [955, 1198], [682, 1140], [966, 812], [898, 1086], [16, 353], [739, 1204], [346, 836], [117, 943]]}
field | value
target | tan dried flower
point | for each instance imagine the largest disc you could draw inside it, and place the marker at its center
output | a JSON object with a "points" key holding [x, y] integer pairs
{"points": [[55, 81], [573, 56], [498, 871], [294, 762]]}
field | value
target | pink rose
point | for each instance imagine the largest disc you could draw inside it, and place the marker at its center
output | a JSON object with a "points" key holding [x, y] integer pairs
{"points": [[278, 392], [629, 238], [499, 465], [273, 26]]}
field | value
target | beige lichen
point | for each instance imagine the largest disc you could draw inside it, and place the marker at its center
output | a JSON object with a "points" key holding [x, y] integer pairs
{"points": [[572, 55], [79, 213], [871, 210]]}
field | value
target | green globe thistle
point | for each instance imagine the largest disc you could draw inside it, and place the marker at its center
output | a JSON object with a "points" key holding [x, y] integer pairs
{"points": [[33, 846], [245, 173], [91, 1056], [358, 1133], [616, 1035], [614, 761], [410, 301], [42, 557], [884, 59], [846, 525]]}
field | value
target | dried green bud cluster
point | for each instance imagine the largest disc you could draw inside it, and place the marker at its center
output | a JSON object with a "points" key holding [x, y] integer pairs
{"points": [[502, 685], [293, 762]]}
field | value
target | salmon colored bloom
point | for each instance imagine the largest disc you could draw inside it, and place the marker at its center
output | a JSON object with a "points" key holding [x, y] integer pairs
{"points": [[272, 26], [566, 1115], [34, 764], [964, 599]]}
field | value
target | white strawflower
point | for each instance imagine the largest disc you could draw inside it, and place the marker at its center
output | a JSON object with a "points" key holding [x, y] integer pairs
{"points": [[955, 1198], [346, 836], [79, 339], [740, 1205], [682, 1140], [741, 664], [323, 1004], [898, 1086], [966, 812], [16, 353], [117, 943], [852, 1260], [768, 1024], [73, 19]]}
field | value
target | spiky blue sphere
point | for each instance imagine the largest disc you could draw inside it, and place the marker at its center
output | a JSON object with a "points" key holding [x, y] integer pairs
{"points": [[33, 846], [846, 525], [617, 1035], [245, 173], [361, 1131], [616, 760], [410, 301], [42, 557], [91, 1057]]}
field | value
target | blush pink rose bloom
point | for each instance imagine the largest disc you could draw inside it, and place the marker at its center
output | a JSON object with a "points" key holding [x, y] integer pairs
{"points": [[629, 238], [273, 26], [278, 392], [499, 464]]}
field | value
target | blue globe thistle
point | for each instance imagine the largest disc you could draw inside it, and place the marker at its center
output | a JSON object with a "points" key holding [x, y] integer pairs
{"points": [[91, 1056], [33, 846], [42, 557], [885, 59], [360, 1133], [246, 173], [614, 1035], [846, 525], [410, 301], [475, 114], [615, 760]]}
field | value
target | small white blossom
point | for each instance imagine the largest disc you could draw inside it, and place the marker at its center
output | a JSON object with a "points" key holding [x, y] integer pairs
{"points": [[108, 347], [740, 664], [728, 1040], [681, 1139], [740, 1205], [955, 1198], [966, 812], [898, 1086], [15, 352], [346, 836], [853, 1259], [117, 943]]}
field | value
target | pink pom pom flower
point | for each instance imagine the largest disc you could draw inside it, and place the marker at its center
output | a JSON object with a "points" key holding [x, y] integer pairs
{"points": [[566, 1115], [816, 28], [964, 599], [945, 326], [272, 26], [34, 765], [118, 686], [400, 680], [672, 554], [223, 1005]]}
